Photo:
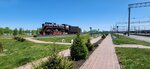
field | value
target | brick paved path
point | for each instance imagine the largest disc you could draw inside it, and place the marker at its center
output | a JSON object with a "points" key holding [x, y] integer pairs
{"points": [[104, 57]]}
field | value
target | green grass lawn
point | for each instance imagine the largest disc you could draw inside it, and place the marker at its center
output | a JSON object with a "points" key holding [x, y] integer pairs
{"points": [[84, 37], [134, 58], [126, 40], [11, 36], [19, 53]]}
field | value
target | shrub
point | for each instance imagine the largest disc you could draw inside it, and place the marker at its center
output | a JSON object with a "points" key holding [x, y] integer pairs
{"points": [[19, 39], [22, 39], [57, 62], [89, 45], [103, 36], [97, 43], [106, 34], [1, 47], [15, 38], [78, 50], [34, 35]]}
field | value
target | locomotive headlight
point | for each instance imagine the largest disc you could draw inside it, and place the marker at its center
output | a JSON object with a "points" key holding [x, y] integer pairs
{"points": [[67, 27]]}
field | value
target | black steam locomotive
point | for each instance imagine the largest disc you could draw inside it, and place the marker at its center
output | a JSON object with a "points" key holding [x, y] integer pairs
{"points": [[49, 28]]}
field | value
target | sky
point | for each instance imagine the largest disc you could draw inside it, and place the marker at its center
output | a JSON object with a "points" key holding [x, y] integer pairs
{"points": [[98, 14]]}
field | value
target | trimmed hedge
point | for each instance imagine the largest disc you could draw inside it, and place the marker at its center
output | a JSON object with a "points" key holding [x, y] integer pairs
{"points": [[78, 50], [104, 36], [34, 35], [89, 45]]}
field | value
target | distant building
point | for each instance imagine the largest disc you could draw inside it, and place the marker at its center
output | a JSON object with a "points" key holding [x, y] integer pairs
{"points": [[49, 28]]}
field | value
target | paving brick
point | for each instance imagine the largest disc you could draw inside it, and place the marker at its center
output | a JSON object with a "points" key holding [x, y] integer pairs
{"points": [[104, 57]]}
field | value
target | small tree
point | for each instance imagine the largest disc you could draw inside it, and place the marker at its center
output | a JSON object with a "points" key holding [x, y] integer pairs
{"points": [[78, 50], [1, 48], [6, 30], [89, 45], [103, 36], [20, 31], [38, 31], [56, 62], [33, 32], [1, 31], [15, 32]]}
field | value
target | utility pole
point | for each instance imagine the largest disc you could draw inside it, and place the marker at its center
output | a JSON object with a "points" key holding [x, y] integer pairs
{"points": [[129, 11], [135, 5]]}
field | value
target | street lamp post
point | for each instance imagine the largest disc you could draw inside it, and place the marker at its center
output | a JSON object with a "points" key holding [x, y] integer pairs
{"points": [[91, 31]]}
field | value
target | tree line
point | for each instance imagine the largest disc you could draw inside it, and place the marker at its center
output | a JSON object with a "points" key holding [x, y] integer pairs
{"points": [[18, 31]]}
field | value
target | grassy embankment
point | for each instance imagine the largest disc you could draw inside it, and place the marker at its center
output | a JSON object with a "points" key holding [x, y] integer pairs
{"points": [[19, 53], [120, 39], [134, 58]]}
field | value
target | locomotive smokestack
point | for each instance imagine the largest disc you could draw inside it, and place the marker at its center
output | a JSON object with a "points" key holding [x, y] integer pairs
{"points": [[42, 25]]}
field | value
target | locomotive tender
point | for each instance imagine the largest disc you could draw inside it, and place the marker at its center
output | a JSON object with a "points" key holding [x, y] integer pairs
{"points": [[49, 28]]}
